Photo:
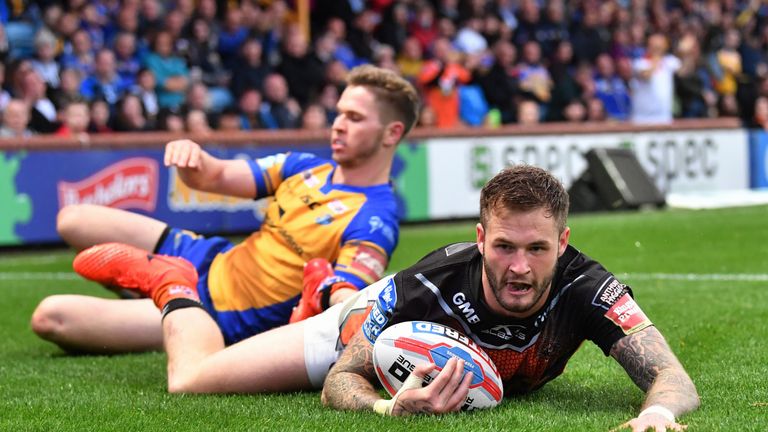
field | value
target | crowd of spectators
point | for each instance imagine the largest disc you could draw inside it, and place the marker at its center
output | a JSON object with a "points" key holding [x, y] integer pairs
{"points": [[97, 66]]}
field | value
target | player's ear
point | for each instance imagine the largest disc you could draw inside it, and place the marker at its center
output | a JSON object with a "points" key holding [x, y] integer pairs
{"points": [[480, 237], [393, 133], [562, 242]]}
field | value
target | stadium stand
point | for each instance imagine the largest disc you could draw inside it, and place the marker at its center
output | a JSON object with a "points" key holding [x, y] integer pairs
{"points": [[576, 60]]}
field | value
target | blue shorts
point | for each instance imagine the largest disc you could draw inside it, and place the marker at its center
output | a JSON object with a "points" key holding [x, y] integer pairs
{"points": [[198, 250]]}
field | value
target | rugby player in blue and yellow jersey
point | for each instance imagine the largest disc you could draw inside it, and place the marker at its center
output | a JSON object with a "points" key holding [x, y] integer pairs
{"points": [[341, 210]]}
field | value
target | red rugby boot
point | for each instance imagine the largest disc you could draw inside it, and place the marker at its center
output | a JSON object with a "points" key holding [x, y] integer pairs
{"points": [[318, 277], [160, 277]]}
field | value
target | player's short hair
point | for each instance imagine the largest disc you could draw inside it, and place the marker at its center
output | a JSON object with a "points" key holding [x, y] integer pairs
{"points": [[523, 188], [392, 90]]}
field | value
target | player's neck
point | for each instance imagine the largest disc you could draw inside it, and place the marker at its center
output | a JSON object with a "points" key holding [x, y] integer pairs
{"points": [[366, 174]]}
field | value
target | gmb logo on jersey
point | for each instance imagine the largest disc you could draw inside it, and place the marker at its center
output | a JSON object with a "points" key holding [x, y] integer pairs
{"points": [[380, 312]]}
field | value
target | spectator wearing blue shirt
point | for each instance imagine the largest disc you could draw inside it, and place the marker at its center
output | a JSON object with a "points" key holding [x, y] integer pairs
{"points": [[127, 61], [232, 37], [171, 73], [611, 89], [105, 83]]}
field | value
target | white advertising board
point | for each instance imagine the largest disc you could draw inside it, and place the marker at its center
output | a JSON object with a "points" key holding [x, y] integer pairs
{"points": [[679, 161]]}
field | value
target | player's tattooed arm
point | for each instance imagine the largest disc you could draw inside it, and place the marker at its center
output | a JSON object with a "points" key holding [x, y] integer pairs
{"points": [[348, 385], [652, 365]]}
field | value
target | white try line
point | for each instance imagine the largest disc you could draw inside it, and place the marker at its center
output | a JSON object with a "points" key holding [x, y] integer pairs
{"points": [[38, 276], [692, 277]]}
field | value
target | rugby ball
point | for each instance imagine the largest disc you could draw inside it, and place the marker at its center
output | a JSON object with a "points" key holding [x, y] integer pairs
{"points": [[403, 346]]}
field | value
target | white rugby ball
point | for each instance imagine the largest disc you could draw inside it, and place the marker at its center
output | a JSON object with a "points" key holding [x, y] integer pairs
{"points": [[403, 346]]}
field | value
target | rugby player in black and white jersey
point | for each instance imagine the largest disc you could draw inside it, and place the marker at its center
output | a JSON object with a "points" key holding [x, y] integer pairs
{"points": [[525, 296]]}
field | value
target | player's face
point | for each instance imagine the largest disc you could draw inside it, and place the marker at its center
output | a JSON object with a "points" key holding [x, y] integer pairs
{"points": [[358, 131], [520, 251]]}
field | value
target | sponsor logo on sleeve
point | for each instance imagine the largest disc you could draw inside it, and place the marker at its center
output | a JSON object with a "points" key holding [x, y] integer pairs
{"points": [[380, 312], [377, 224], [626, 313], [607, 295], [369, 262], [128, 184], [268, 162]]}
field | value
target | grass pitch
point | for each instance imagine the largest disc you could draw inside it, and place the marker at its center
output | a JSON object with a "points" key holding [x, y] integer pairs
{"points": [[701, 276]]}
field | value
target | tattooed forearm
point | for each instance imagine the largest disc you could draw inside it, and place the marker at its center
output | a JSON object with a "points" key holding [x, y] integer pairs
{"points": [[650, 363], [348, 385]]}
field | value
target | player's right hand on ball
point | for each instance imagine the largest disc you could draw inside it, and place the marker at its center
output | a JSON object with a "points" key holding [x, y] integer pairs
{"points": [[446, 393], [183, 153]]}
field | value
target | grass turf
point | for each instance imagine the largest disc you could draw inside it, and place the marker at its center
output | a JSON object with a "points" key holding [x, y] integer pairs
{"points": [[700, 276]]}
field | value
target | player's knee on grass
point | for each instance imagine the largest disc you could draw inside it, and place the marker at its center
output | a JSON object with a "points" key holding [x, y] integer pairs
{"points": [[48, 318], [69, 222]]}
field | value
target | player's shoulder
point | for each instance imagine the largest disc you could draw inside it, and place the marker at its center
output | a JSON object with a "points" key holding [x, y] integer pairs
{"points": [[583, 276], [300, 162], [452, 256]]}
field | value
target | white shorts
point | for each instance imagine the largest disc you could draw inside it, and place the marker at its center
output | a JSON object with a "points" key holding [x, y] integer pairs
{"points": [[322, 341]]}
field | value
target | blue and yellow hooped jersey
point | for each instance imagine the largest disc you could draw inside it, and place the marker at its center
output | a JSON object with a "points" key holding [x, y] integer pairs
{"points": [[254, 285]]}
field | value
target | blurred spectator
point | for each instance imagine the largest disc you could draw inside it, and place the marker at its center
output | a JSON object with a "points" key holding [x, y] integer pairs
{"points": [[575, 112], [528, 112], [145, 91], [384, 57], [197, 123], [313, 118], [440, 78], [553, 28], [127, 62], [337, 29], [170, 120], [565, 88], [693, 85], [16, 120], [231, 36], [427, 117], [130, 115], [301, 69], [278, 110], [528, 22], [410, 60], [424, 26], [393, 30], [535, 81], [105, 83], [206, 65], [500, 83], [69, 87], [329, 96], [360, 35], [197, 98], [229, 120], [74, 120], [596, 110], [610, 89], [5, 97], [469, 40], [653, 86], [44, 61], [171, 73], [759, 120], [100, 117], [725, 64], [250, 71], [590, 38], [78, 53], [43, 118], [249, 106], [150, 16], [4, 46]]}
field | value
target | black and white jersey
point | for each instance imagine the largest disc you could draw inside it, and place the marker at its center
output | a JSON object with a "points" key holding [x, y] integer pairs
{"points": [[585, 302]]}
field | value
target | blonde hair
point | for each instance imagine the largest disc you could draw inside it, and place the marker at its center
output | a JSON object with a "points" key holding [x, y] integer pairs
{"points": [[397, 95]]}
